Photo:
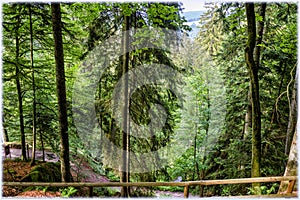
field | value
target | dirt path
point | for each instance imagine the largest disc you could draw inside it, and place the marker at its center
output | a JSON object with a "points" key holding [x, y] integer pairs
{"points": [[17, 153]]}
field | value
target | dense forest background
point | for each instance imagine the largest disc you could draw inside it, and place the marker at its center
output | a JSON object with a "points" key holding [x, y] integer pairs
{"points": [[239, 104]]}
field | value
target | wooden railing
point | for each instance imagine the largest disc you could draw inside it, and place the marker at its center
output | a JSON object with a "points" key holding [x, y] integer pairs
{"points": [[186, 185]]}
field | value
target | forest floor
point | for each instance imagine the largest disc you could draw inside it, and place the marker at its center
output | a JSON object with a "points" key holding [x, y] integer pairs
{"points": [[16, 169]]}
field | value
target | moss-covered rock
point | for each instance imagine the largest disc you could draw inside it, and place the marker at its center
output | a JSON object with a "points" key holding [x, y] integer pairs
{"points": [[45, 172]]}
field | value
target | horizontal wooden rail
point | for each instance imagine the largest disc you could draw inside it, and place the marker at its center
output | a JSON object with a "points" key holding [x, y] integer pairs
{"points": [[145, 184], [244, 180], [149, 184], [96, 184]]}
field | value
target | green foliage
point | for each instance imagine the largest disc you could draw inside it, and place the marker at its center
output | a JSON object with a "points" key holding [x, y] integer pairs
{"points": [[38, 188], [111, 176], [18, 160], [265, 190], [231, 156], [106, 192], [141, 192], [68, 192], [170, 188]]}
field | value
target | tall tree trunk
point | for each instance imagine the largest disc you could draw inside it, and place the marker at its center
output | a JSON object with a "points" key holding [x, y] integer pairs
{"points": [[125, 136], [33, 90], [292, 118], [256, 57], [61, 92], [195, 156], [248, 116], [291, 167], [20, 98], [6, 138], [260, 30], [42, 143], [253, 73]]}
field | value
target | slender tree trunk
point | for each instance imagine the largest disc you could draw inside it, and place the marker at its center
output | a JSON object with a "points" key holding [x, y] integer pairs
{"points": [[248, 116], [253, 73], [292, 119], [42, 143], [260, 31], [33, 90], [20, 98], [6, 138], [125, 136], [195, 156], [256, 57], [61, 92]]}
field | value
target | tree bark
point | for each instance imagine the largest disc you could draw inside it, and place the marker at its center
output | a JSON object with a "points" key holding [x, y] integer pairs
{"points": [[33, 90], [6, 138], [256, 57], [20, 98], [260, 30], [248, 116], [42, 143], [253, 73], [125, 175], [292, 119], [61, 92]]}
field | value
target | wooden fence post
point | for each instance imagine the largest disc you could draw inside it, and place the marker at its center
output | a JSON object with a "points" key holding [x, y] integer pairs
{"points": [[186, 191], [91, 191], [290, 186]]}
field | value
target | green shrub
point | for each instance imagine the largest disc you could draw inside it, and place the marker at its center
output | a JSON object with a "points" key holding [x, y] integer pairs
{"points": [[68, 192]]}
